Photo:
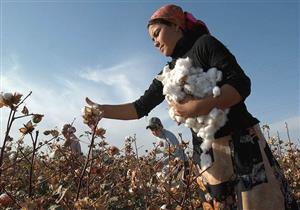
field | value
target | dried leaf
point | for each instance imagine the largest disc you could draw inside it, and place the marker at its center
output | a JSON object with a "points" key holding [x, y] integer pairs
{"points": [[28, 128], [25, 111], [16, 98], [37, 118], [100, 132]]}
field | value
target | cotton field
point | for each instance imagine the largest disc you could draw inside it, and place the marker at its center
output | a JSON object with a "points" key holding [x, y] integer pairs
{"points": [[47, 174]]}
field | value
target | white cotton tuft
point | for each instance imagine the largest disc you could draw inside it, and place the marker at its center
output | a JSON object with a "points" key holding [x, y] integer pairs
{"points": [[216, 91], [190, 122], [184, 63], [163, 206], [212, 74], [171, 113], [195, 129], [210, 121], [201, 133], [210, 130], [201, 119], [179, 119], [53, 154], [214, 113], [206, 145], [226, 111], [183, 80], [219, 76], [189, 89], [205, 161]]}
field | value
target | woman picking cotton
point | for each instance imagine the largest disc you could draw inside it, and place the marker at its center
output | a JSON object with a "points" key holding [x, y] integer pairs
{"points": [[241, 171]]}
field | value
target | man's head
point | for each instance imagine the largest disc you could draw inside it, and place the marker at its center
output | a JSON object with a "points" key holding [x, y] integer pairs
{"points": [[68, 130], [155, 126]]}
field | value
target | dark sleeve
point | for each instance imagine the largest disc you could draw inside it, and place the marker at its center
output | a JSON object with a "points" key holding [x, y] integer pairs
{"points": [[151, 98], [215, 54]]}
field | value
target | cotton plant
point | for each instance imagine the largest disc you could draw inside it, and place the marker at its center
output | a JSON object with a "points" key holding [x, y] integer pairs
{"points": [[186, 80]]}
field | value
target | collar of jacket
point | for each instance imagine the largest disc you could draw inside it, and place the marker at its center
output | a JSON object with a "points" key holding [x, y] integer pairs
{"points": [[182, 46]]}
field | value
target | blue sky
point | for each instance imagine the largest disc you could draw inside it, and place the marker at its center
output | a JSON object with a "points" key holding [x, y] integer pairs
{"points": [[66, 50]]}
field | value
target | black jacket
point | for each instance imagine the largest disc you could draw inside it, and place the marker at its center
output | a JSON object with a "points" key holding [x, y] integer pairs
{"points": [[206, 52]]}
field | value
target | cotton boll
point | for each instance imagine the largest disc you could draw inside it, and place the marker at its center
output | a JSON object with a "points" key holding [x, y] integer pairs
{"points": [[207, 90], [163, 206], [175, 117], [195, 129], [182, 80], [203, 88], [166, 70], [190, 122], [185, 79], [216, 91], [212, 74], [192, 79], [179, 119], [226, 111], [178, 77], [198, 94], [165, 75], [210, 121], [177, 95], [196, 126], [160, 77], [222, 121], [52, 155], [183, 62], [189, 89], [201, 133], [202, 127], [206, 145], [214, 113], [219, 76], [221, 118], [195, 71], [210, 129], [168, 88], [201, 119], [205, 161], [209, 136], [172, 113]]}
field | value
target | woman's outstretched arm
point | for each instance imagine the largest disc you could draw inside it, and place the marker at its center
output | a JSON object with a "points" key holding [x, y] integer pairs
{"points": [[119, 111]]}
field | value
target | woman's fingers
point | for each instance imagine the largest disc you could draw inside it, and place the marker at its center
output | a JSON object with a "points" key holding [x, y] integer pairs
{"points": [[92, 104], [89, 101]]}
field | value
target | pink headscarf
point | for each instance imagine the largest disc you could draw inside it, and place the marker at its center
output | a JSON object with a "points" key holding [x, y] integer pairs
{"points": [[174, 14]]}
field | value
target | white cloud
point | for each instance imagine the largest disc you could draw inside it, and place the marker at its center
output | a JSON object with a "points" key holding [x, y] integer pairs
{"points": [[62, 99], [124, 82]]}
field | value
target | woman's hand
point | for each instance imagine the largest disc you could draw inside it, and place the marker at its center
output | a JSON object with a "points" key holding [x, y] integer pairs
{"points": [[191, 107], [119, 111], [92, 104]]}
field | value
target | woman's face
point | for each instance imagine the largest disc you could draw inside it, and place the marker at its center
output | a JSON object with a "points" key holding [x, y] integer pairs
{"points": [[165, 37]]}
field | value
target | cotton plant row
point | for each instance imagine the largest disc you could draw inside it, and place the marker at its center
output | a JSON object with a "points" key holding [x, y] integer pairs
{"points": [[185, 80]]}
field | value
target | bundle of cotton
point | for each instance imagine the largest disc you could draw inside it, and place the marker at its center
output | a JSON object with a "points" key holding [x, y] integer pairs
{"points": [[186, 80]]}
